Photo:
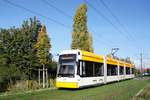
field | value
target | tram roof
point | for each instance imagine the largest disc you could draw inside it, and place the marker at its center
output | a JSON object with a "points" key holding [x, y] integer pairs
{"points": [[99, 58], [89, 56]]}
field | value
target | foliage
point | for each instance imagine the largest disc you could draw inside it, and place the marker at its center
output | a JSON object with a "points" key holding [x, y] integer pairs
{"points": [[43, 46], [81, 38], [17, 52], [137, 72], [52, 69]]}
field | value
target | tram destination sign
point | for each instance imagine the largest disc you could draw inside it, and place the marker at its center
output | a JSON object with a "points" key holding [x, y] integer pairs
{"points": [[67, 58]]}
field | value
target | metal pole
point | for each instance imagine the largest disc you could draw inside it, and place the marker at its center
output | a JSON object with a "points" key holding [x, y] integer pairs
{"points": [[141, 63], [39, 77], [124, 69], [105, 69], [118, 71], [43, 77]]}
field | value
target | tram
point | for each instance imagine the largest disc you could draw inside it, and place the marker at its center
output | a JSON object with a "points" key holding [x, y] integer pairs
{"points": [[78, 69]]}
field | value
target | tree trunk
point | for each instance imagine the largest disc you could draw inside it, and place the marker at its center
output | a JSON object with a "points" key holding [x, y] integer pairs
{"points": [[43, 76], [46, 78]]}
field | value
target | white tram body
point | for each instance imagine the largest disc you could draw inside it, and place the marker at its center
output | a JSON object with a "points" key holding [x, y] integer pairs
{"points": [[77, 69]]}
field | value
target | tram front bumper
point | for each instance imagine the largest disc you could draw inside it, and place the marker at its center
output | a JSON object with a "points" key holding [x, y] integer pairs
{"points": [[67, 84]]}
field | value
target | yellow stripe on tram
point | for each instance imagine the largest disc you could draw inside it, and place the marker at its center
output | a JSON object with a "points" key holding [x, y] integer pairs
{"points": [[67, 85], [88, 56]]}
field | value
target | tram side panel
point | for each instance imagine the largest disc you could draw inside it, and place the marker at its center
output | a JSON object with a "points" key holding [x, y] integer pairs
{"points": [[90, 81]]}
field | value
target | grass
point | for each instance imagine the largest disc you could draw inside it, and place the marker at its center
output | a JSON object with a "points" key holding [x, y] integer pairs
{"points": [[145, 94], [124, 90]]}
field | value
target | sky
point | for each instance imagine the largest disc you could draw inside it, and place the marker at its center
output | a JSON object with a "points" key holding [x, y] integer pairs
{"points": [[122, 24]]}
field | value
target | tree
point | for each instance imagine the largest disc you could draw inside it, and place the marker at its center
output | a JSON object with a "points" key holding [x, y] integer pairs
{"points": [[81, 38], [43, 46], [30, 30], [8, 71], [17, 52]]}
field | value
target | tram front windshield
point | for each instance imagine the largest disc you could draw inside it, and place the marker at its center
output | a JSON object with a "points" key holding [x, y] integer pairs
{"points": [[66, 65], [66, 70]]}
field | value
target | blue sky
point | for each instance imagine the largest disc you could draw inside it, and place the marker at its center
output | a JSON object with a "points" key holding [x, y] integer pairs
{"points": [[133, 14]]}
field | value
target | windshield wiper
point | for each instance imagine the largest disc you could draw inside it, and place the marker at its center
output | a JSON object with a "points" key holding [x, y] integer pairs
{"points": [[66, 75]]}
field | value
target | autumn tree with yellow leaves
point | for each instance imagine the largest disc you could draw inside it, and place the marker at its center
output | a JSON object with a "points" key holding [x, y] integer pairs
{"points": [[81, 38], [43, 47]]}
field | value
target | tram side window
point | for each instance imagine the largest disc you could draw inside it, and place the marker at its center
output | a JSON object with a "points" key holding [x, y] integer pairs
{"points": [[121, 70], [99, 69], [81, 68], [111, 70], [127, 70], [85, 69], [108, 70], [114, 70], [89, 69]]}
